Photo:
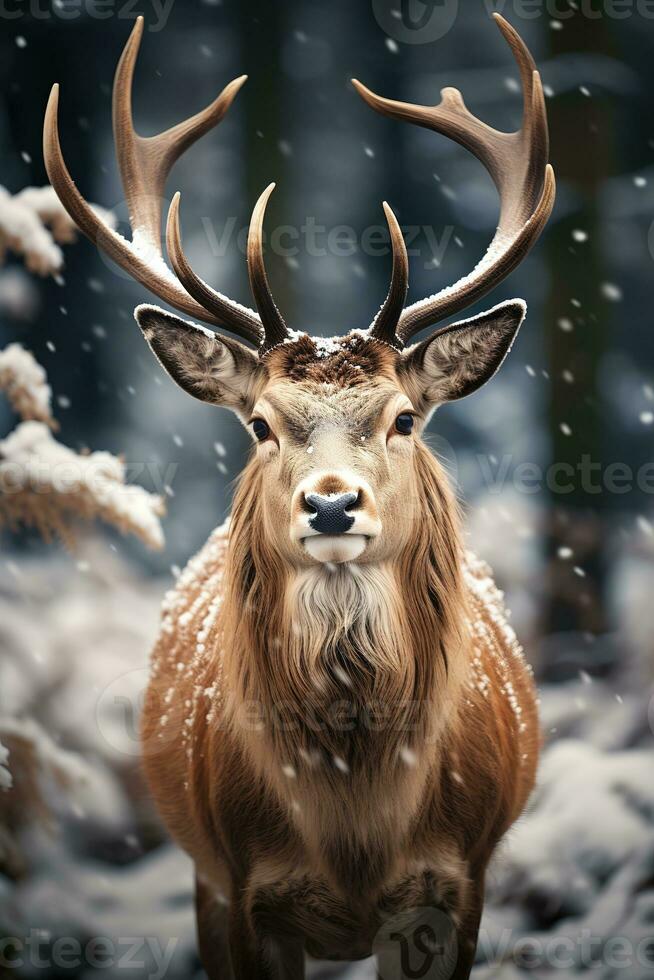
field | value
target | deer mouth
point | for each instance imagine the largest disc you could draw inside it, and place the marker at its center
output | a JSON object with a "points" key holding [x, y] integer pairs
{"points": [[337, 548], [335, 544]]}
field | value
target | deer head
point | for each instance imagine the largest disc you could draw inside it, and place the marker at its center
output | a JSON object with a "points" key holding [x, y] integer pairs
{"points": [[339, 463]]}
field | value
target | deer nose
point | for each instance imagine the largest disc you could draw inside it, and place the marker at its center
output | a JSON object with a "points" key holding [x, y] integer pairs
{"points": [[331, 512], [334, 516]]}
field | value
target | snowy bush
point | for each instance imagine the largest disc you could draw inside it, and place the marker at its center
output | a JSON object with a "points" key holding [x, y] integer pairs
{"points": [[46, 486], [559, 859], [43, 484], [5, 775], [33, 223], [24, 382]]}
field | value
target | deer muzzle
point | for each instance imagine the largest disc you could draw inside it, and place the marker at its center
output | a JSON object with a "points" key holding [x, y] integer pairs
{"points": [[334, 516]]}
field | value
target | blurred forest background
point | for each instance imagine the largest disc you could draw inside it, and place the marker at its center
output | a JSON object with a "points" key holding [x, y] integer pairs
{"points": [[570, 535]]}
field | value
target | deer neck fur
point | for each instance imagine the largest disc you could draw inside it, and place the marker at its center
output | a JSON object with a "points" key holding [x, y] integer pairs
{"points": [[354, 672]]}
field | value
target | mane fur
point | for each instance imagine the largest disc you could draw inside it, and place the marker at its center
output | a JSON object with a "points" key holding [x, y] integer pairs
{"points": [[356, 670]]}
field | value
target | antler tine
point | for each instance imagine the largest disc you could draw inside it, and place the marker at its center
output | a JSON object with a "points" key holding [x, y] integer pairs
{"points": [[517, 162], [144, 165], [275, 329], [210, 300], [385, 324], [145, 162]]}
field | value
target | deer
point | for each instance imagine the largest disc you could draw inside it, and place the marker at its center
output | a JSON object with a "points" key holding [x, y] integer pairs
{"points": [[340, 724]]}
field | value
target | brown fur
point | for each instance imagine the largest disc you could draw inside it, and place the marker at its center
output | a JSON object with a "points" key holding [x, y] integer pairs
{"points": [[344, 361], [334, 746]]}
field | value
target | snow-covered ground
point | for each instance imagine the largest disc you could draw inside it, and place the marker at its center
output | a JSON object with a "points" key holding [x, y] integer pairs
{"points": [[89, 882]]}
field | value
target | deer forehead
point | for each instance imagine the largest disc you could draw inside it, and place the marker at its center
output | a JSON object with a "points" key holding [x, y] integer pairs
{"points": [[348, 383], [345, 362]]}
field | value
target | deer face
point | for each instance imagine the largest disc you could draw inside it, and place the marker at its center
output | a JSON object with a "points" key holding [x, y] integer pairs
{"points": [[336, 425], [336, 433]]}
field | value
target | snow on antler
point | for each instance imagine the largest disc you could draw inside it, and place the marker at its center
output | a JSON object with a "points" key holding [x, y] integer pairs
{"points": [[25, 384], [46, 485], [33, 222]]}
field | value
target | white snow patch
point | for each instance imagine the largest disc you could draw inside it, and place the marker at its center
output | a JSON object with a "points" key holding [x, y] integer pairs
{"points": [[26, 385], [5, 775], [37, 473], [34, 223]]}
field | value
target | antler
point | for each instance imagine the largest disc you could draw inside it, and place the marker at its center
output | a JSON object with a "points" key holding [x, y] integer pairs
{"points": [[517, 162], [275, 328], [384, 326], [144, 165]]}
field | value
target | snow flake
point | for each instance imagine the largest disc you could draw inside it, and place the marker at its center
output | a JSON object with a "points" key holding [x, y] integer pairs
{"points": [[408, 757], [611, 292]]}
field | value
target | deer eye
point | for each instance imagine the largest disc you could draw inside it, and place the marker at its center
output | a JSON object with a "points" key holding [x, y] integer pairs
{"points": [[404, 424], [261, 429]]}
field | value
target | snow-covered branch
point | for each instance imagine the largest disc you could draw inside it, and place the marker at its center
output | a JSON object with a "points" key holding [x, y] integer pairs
{"points": [[43, 484], [47, 486], [5, 775], [33, 223], [25, 384]]}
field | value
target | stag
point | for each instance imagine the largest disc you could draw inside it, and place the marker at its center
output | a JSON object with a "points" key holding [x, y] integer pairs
{"points": [[340, 725]]}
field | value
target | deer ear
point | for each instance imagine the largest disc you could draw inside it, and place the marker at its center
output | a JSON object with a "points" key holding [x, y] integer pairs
{"points": [[461, 358], [213, 369]]}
